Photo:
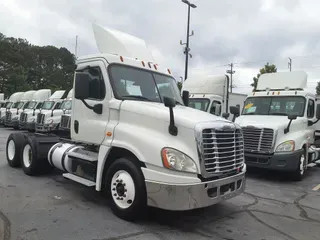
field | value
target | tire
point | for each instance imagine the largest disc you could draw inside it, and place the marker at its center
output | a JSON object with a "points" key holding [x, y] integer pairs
{"points": [[299, 173], [128, 201], [32, 163], [13, 149]]}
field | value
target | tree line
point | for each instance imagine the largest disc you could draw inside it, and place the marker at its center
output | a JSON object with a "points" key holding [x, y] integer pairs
{"points": [[24, 66]]}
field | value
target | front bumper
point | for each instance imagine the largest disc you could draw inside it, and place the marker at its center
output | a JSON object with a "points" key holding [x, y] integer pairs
{"points": [[279, 161], [30, 126], [15, 123], [191, 196], [46, 127]]}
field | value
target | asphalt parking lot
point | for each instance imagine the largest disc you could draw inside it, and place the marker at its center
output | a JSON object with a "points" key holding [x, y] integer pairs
{"points": [[51, 207]]}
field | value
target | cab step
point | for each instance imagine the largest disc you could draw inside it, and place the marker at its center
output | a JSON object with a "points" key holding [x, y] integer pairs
{"points": [[78, 179], [312, 165], [84, 155]]}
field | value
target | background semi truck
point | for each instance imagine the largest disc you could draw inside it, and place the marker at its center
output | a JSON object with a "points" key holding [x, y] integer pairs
{"points": [[210, 94], [139, 148], [279, 121], [11, 103]]}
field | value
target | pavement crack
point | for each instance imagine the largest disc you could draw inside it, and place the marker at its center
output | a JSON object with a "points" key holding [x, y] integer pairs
{"points": [[7, 226], [269, 226], [303, 212]]}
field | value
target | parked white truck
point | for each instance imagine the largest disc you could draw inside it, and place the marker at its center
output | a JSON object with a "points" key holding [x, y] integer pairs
{"points": [[53, 123], [140, 148], [279, 122], [33, 108], [47, 108], [2, 100], [12, 102], [210, 94]]}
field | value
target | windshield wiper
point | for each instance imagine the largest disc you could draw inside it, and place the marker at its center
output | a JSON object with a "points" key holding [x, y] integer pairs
{"points": [[137, 97], [253, 113], [280, 114]]}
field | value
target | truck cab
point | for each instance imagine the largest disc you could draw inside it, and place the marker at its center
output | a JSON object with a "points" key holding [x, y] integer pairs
{"points": [[48, 107], [278, 121], [210, 94], [13, 103], [133, 138], [33, 107], [63, 113]]}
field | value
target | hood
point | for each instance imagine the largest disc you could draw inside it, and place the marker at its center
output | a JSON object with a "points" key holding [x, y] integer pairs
{"points": [[264, 121], [183, 116]]}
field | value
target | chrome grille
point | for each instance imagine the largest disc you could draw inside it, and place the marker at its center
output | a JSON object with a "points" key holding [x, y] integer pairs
{"points": [[65, 121], [40, 118], [222, 150], [258, 139], [23, 117], [8, 115]]}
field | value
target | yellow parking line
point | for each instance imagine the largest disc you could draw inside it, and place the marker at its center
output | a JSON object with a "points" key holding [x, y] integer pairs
{"points": [[316, 188]]}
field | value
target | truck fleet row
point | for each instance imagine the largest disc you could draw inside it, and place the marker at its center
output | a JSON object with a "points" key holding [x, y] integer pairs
{"points": [[133, 136]]}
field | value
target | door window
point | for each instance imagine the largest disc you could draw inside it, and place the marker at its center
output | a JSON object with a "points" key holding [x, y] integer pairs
{"points": [[214, 106]]}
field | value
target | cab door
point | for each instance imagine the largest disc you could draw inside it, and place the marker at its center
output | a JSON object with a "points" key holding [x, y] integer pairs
{"points": [[86, 125]]}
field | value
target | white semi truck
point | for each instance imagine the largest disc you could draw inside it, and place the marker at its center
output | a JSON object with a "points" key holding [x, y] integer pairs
{"points": [[279, 121], [210, 94], [12, 102], [139, 147], [14, 112], [2, 100], [32, 109], [53, 123], [47, 109]]}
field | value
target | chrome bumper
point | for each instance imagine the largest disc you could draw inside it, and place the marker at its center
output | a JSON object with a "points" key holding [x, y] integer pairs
{"points": [[192, 196]]}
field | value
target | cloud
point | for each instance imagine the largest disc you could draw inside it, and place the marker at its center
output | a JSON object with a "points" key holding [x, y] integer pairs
{"points": [[248, 33]]}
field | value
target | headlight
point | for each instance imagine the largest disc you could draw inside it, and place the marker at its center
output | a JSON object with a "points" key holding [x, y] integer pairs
{"points": [[15, 118], [176, 160], [287, 146], [50, 121]]}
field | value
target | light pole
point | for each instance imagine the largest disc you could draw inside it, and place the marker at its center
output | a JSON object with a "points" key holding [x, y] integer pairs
{"points": [[187, 49]]}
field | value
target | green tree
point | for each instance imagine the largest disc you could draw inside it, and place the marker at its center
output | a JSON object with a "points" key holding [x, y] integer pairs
{"points": [[318, 88], [266, 69], [24, 66]]}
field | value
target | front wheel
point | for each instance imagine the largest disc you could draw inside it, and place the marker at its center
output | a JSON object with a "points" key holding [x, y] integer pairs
{"points": [[301, 168], [126, 187]]}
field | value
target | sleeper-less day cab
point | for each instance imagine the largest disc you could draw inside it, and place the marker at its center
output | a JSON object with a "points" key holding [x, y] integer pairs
{"points": [[279, 120], [133, 138]]}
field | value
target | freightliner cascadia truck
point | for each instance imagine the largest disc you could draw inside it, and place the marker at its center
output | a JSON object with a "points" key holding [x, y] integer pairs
{"points": [[134, 138]]}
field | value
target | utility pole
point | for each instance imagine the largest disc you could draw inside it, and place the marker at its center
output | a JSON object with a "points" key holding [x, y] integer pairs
{"points": [[231, 72], [290, 64], [76, 47], [187, 49]]}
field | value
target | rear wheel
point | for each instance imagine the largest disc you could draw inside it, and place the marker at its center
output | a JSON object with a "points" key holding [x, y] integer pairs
{"points": [[126, 187], [13, 149]]}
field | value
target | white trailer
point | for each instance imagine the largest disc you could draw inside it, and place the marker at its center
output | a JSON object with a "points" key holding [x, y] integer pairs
{"points": [[139, 147], [210, 94], [279, 121]]}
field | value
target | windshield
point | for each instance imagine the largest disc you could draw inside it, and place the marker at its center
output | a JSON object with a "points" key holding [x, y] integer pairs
{"points": [[8, 104], [135, 84], [47, 105], [199, 103], [30, 105], [291, 105], [17, 104], [66, 105], [39, 105]]}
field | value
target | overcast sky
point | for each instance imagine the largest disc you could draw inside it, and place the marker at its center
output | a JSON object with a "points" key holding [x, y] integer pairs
{"points": [[247, 32]]}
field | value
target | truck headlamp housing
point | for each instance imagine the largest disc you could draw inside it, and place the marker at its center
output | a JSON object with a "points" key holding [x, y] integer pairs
{"points": [[176, 160], [287, 146]]}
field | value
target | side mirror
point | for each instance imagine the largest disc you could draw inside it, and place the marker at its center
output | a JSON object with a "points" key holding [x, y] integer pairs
{"points": [[292, 117], [81, 88], [169, 102], [217, 110], [185, 97], [318, 111], [226, 115], [234, 110]]}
